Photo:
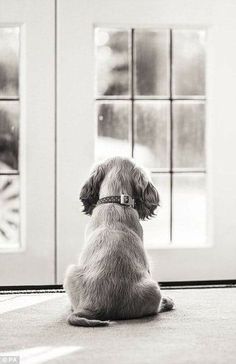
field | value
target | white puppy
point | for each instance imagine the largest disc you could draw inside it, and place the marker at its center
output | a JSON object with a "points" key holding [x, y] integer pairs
{"points": [[112, 280]]}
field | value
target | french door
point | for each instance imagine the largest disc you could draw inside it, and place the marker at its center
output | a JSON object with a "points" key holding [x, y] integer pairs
{"points": [[27, 133], [82, 80], [181, 114]]}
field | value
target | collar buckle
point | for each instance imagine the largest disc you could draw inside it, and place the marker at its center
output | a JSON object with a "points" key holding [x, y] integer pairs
{"points": [[126, 200]]}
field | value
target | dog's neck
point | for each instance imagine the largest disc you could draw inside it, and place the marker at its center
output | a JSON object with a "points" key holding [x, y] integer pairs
{"points": [[124, 200], [113, 192]]}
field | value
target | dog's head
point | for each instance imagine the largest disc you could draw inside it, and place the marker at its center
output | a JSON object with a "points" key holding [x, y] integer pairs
{"points": [[120, 175]]}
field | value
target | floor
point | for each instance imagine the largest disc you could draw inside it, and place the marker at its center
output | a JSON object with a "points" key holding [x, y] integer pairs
{"points": [[202, 329]]}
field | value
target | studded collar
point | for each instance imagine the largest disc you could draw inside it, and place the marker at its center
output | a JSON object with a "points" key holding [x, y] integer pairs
{"points": [[124, 200]]}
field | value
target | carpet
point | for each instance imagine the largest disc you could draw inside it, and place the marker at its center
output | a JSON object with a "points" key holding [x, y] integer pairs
{"points": [[202, 329]]}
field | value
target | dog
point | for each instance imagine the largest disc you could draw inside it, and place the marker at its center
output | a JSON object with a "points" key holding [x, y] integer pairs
{"points": [[112, 279]]}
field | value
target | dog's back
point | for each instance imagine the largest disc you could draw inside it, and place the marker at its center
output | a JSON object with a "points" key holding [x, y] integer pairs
{"points": [[110, 266], [112, 262]]}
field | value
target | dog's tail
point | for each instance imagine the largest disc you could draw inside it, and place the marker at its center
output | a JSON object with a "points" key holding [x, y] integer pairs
{"points": [[77, 319], [167, 304]]}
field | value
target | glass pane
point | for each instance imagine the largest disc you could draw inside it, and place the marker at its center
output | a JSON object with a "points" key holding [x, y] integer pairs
{"points": [[157, 229], [112, 62], [113, 123], [189, 62], [189, 208], [9, 211], [9, 119], [152, 66], [151, 133], [9, 62], [188, 134]]}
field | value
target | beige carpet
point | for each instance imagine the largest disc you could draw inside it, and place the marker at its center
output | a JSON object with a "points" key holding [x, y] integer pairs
{"points": [[202, 329]]}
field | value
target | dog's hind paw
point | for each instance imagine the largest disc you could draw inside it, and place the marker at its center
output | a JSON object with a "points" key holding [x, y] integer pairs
{"points": [[167, 304]]}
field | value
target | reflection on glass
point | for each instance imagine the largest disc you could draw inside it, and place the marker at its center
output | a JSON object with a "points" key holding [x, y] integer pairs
{"points": [[112, 62], [189, 62], [189, 208], [113, 120], [9, 210], [157, 229], [9, 62], [151, 49], [188, 134], [9, 118], [152, 134]]}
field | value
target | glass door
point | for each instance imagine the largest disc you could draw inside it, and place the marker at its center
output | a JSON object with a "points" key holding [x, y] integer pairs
{"points": [[150, 103], [27, 165], [154, 81]]}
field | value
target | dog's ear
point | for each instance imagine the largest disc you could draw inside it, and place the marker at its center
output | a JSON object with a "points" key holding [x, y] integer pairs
{"points": [[89, 194], [145, 194]]}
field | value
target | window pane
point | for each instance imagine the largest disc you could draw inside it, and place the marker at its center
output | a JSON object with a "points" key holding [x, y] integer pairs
{"points": [[112, 62], [113, 124], [152, 66], [9, 118], [189, 208], [9, 59], [188, 134], [188, 63], [157, 229], [9, 211], [151, 138]]}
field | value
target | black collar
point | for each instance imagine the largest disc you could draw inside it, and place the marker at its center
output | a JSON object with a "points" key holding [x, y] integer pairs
{"points": [[123, 199]]}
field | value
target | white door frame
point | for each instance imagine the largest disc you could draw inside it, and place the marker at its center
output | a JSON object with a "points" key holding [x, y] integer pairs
{"points": [[76, 127]]}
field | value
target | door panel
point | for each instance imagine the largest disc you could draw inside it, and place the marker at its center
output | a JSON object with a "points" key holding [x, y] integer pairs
{"points": [[27, 171], [76, 129]]}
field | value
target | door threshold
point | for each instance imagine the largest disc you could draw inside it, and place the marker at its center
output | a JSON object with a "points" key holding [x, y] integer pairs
{"points": [[58, 288]]}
